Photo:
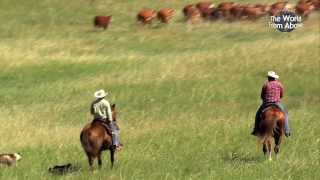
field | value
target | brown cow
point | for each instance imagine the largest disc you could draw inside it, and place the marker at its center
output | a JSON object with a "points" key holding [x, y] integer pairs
{"points": [[252, 12], [236, 12], [315, 3], [263, 7], [205, 8], [224, 9], [102, 21], [304, 9], [186, 9], [164, 15], [192, 14], [277, 7], [146, 16]]}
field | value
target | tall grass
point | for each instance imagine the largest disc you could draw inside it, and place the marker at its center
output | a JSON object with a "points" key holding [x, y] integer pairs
{"points": [[186, 94]]}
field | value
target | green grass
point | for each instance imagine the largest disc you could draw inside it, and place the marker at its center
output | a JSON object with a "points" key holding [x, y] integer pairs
{"points": [[186, 94]]}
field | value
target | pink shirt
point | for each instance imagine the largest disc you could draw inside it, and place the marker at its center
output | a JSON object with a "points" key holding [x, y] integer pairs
{"points": [[272, 92]]}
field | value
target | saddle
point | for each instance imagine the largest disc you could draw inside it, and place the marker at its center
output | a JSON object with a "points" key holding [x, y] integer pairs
{"points": [[266, 106], [105, 124]]}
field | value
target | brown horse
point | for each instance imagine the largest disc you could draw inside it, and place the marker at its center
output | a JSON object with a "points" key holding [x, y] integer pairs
{"points": [[271, 127], [95, 139]]}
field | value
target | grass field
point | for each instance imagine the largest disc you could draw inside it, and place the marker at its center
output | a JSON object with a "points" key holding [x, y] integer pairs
{"points": [[186, 94]]}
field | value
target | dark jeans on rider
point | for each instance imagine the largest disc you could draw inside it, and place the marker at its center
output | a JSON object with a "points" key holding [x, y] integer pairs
{"points": [[281, 106], [115, 133]]}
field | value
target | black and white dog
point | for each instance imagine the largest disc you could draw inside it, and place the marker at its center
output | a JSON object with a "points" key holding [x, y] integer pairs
{"points": [[61, 169]]}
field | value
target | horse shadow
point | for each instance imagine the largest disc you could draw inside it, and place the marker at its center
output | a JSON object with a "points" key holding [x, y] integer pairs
{"points": [[243, 158]]}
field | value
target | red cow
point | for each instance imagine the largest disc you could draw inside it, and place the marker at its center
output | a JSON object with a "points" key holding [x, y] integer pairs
{"points": [[315, 3], [225, 8], [193, 14], [205, 8], [102, 21], [186, 9], [304, 8], [237, 11], [146, 16], [277, 7], [252, 13], [164, 15]]}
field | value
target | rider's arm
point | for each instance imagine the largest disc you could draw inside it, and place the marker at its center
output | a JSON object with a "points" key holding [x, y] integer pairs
{"points": [[281, 91], [109, 110], [263, 91], [91, 109]]}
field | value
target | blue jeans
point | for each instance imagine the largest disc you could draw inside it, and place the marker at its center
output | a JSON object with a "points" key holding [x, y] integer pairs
{"points": [[281, 106], [115, 133]]}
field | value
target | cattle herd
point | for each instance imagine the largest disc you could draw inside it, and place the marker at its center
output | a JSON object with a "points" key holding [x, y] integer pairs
{"points": [[229, 11]]}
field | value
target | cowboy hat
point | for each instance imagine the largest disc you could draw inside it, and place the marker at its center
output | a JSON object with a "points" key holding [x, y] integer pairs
{"points": [[100, 94], [272, 74]]}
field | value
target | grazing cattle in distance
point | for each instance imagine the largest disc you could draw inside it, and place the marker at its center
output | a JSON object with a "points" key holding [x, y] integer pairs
{"points": [[277, 7], [236, 11], [304, 9], [252, 12], [289, 7], [186, 9], [263, 8], [224, 9], [146, 16], [205, 8], [164, 15], [315, 3], [102, 21], [193, 15]]}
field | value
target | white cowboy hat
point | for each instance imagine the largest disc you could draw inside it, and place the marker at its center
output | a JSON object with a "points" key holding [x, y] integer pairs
{"points": [[100, 94], [272, 74]]}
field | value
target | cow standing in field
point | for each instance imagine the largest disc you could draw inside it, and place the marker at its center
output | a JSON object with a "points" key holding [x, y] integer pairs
{"points": [[277, 7], [236, 12], [191, 13], [146, 16], [186, 9], [315, 3], [304, 8], [164, 15], [252, 12], [224, 9], [102, 21], [264, 8], [206, 9]]}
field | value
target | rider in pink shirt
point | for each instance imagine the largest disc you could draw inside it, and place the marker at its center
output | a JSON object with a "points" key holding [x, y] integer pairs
{"points": [[271, 93]]}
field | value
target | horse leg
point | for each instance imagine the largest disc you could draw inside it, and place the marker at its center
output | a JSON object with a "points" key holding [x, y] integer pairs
{"points": [[277, 140], [90, 160], [264, 148], [99, 160], [269, 149], [112, 150]]}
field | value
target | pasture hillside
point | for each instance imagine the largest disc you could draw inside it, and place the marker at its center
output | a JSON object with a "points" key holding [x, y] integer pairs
{"points": [[186, 94]]}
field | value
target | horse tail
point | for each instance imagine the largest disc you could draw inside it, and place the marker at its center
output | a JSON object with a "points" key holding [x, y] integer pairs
{"points": [[269, 131], [86, 144]]}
